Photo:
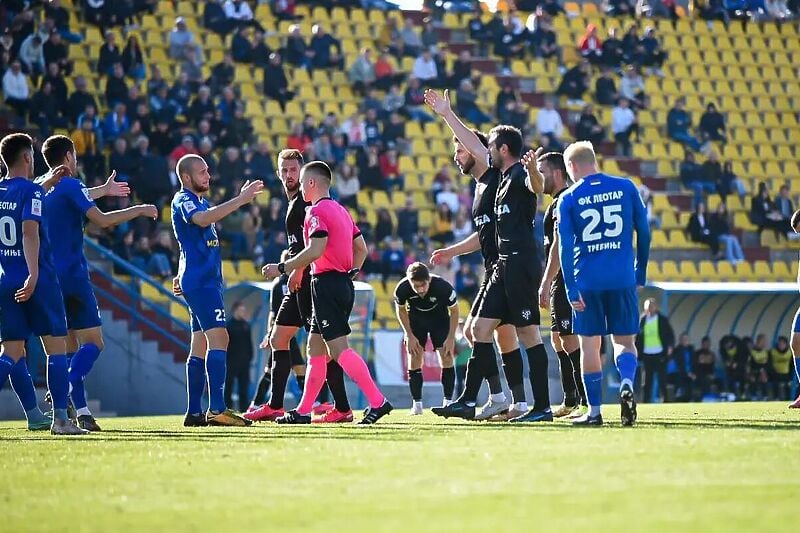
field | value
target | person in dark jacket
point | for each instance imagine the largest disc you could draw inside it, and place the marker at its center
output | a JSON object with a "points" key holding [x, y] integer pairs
{"points": [[680, 373], [654, 343], [241, 47], [276, 86], [240, 354], [320, 47], [588, 128], [712, 124], [701, 230]]}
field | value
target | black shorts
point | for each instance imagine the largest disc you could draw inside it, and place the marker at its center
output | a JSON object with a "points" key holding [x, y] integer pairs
{"points": [[511, 293], [332, 297], [295, 309], [560, 310], [436, 326], [476, 304]]}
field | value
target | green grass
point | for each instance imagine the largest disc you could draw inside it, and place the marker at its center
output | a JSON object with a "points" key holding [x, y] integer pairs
{"points": [[712, 467]]}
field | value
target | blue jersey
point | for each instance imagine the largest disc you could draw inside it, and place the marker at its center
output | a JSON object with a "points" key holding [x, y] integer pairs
{"points": [[200, 260], [596, 220], [21, 200], [67, 204]]}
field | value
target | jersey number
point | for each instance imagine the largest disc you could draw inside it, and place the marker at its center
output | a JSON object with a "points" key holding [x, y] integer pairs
{"points": [[610, 217], [220, 313], [8, 231]]}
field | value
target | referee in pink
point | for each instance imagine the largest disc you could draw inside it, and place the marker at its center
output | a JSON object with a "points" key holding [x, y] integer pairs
{"points": [[335, 249]]}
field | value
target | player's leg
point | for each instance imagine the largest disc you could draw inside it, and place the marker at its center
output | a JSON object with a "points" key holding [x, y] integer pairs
{"points": [[567, 381], [795, 345], [571, 345], [568, 349], [280, 341], [316, 371], [505, 336], [263, 385], [622, 315], [55, 347], [22, 383], [195, 376], [90, 342], [414, 369], [590, 326], [446, 361], [298, 363]]}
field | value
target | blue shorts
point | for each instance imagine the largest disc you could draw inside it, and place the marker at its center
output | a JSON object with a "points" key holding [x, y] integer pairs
{"points": [[80, 303], [42, 315], [611, 312], [796, 322], [206, 308]]}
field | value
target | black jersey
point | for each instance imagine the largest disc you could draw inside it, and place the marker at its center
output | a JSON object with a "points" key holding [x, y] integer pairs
{"points": [[483, 214], [515, 207], [439, 298], [550, 222], [295, 218]]}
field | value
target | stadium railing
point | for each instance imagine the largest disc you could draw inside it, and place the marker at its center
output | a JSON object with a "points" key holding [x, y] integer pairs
{"points": [[133, 290]]}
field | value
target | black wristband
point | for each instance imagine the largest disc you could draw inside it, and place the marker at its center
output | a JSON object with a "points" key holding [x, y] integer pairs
{"points": [[282, 267]]}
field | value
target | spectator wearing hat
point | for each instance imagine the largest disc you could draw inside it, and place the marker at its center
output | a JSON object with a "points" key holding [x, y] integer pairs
{"points": [[179, 38], [320, 47]]}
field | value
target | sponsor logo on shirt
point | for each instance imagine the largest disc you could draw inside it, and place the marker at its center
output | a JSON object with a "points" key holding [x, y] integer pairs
{"points": [[502, 210], [86, 193], [212, 243], [481, 220], [36, 207], [189, 206]]}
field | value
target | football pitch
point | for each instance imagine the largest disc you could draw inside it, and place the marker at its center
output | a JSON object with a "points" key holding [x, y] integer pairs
{"points": [[693, 467]]}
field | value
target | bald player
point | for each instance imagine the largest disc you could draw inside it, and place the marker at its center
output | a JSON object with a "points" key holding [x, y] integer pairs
{"points": [[199, 280]]}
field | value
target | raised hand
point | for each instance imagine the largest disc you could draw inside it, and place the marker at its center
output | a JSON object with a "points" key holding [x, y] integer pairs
{"points": [[439, 104], [441, 257], [250, 189], [116, 188]]}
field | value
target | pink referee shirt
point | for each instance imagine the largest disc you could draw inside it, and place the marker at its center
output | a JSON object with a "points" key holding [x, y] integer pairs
{"points": [[328, 218]]}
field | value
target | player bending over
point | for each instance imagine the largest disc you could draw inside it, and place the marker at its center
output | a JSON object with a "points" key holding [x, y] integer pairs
{"points": [[335, 249], [30, 296], [67, 204], [199, 280], [427, 306], [596, 220]]}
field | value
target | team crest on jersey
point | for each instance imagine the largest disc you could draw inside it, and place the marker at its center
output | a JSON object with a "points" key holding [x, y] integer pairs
{"points": [[526, 314], [433, 299], [36, 207], [189, 207], [565, 324]]}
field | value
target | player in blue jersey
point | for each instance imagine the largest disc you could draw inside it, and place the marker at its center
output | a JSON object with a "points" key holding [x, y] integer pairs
{"points": [[796, 323], [30, 297], [199, 280], [67, 205], [596, 220]]}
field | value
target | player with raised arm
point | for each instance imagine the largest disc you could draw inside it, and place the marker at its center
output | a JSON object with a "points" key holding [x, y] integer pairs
{"points": [[484, 239], [427, 306], [67, 205], [795, 343], [596, 220], [199, 280], [510, 294], [553, 293], [335, 249], [30, 297], [295, 308]]}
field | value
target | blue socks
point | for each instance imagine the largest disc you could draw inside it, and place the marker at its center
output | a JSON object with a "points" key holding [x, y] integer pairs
{"points": [[58, 384], [80, 365], [23, 386], [6, 365], [195, 383], [216, 365], [626, 366], [594, 391]]}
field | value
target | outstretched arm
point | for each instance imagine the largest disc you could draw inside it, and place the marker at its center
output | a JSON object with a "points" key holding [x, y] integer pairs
{"points": [[111, 187], [115, 218], [217, 213], [466, 246], [535, 180], [470, 141]]}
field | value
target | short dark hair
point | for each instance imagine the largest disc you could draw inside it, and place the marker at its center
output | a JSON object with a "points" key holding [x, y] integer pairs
{"points": [[555, 160], [318, 168], [13, 146], [56, 148], [479, 134], [418, 272], [510, 136]]}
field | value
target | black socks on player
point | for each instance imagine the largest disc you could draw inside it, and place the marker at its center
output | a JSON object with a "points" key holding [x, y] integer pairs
{"points": [[335, 381], [513, 368], [448, 382], [415, 384], [281, 366], [568, 379], [482, 364], [537, 362], [262, 389], [575, 359]]}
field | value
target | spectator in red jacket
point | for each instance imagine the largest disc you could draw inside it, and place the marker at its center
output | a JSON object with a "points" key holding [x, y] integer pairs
{"points": [[590, 45], [390, 169]]}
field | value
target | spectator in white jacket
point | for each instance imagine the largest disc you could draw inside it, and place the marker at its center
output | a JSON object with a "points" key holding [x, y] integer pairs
{"points": [[425, 67], [179, 39], [623, 125], [16, 90], [31, 53], [548, 122]]}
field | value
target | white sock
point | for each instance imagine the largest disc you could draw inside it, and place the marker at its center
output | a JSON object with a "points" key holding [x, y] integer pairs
{"points": [[417, 404], [628, 382], [521, 406], [594, 410], [499, 397], [446, 402], [84, 411]]}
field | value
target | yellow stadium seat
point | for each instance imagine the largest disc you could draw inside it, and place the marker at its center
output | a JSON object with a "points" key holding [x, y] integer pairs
{"points": [[744, 272], [249, 272], [707, 271], [654, 272], [762, 271], [151, 293], [669, 271], [783, 272], [725, 270], [179, 311], [688, 271]]}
